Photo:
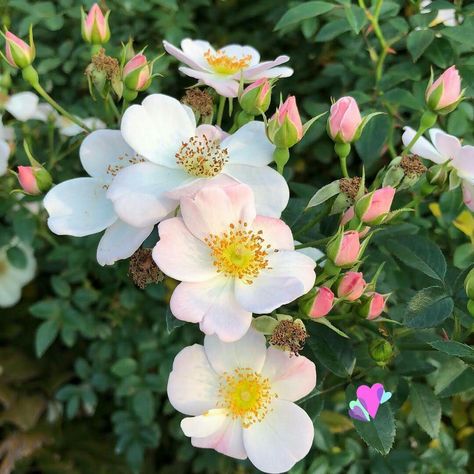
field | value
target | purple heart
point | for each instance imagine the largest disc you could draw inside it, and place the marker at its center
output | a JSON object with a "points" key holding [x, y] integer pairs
{"points": [[370, 397], [357, 414]]}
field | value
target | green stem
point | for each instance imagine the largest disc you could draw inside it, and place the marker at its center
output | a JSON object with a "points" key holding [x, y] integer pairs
{"points": [[313, 243], [343, 161], [220, 110], [428, 119], [113, 107]]}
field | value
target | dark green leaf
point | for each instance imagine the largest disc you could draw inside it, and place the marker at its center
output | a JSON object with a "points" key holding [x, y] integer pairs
{"points": [[428, 308], [418, 41], [17, 257], [356, 17], [426, 408], [332, 30], [45, 335], [144, 405], [124, 367], [302, 12]]}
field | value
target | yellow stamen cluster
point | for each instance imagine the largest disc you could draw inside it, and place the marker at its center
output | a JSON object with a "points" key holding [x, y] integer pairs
{"points": [[239, 252], [202, 157], [224, 64], [245, 395]]}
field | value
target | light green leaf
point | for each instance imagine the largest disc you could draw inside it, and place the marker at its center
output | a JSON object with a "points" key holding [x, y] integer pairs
{"points": [[323, 194]]}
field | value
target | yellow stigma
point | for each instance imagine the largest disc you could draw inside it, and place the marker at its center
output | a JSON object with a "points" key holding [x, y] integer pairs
{"points": [[239, 252], [224, 64], [202, 157], [245, 395]]}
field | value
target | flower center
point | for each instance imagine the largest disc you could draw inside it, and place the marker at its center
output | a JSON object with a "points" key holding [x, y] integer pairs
{"points": [[239, 252], [202, 157], [224, 64], [245, 395]]}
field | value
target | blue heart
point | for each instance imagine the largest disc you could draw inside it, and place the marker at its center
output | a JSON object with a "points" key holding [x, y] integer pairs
{"points": [[386, 397]]}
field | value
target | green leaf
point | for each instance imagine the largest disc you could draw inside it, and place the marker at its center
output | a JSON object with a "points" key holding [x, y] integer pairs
{"points": [[60, 286], [17, 257], [331, 326], [418, 41], [356, 17], [379, 433], [332, 30], [325, 193], [124, 367], [144, 405], [419, 253], [428, 308], [302, 12], [426, 408], [454, 377], [453, 348], [45, 335]]}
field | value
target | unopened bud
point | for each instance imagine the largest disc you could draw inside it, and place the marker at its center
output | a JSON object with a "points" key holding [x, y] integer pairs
{"points": [[380, 350]]}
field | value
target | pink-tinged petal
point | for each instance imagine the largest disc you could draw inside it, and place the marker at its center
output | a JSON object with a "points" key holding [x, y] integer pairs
{"points": [[139, 192], [273, 72], [181, 255], [191, 187], [255, 72], [422, 147], [204, 425], [249, 352], [196, 49], [120, 241], [22, 106], [464, 163], [249, 146], [213, 305], [269, 187], [275, 232], [192, 385], [447, 145], [227, 440], [224, 85], [213, 209], [79, 207], [157, 128], [291, 378], [468, 194], [189, 60], [281, 439], [290, 274]]}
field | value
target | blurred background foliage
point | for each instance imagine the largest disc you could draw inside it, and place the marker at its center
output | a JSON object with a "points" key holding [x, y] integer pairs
{"points": [[85, 355]]}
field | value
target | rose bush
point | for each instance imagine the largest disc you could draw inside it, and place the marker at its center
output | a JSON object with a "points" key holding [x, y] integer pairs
{"points": [[281, 194]]}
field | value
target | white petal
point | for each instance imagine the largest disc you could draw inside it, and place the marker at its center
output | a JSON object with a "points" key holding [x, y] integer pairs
{"points": [[248, 352], [22, 105], [120, 241], [275, 232], [422, 147], [10, 291], [195, 61], [213, 305], [258, 70], [192, 385], [224, 85], [468, 194], [464, 163], [191, 187], [181, 255], [196, 49], [269, 73], [281, 439], [447, 145], [4, 154], [138, 193], [79, 207], [269, 187], [289, 276], [249, 145], [292, 378], [312, 253], [104, 153], [241, 51], [157, 128], [213, 209], [204, 425]]}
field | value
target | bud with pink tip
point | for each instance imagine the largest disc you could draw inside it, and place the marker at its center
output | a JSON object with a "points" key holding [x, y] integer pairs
{"points": [[34, 179], [255, 98], [444, 94], [374, 306], [344, 120], [137, 73], [18, 53], [285, 128], [321, 303], [351, 286], [348, 220], [374, 207], [95, 26], [344, 249]]}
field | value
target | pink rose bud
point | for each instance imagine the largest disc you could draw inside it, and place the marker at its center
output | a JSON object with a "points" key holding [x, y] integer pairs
{"points": [[374, 306], [18, 53], [285, 128], [351, 286], [374, 207], [322, 303], [344, 120], [137, 73], [255, 98], [344, 249], [347, 218], [95, 26], [34, 179], [445, 93]]}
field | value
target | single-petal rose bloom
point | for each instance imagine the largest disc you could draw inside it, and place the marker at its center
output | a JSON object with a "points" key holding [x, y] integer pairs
{"points": [[373, 207], [446, 148], [322, 303], [80, 207], [223, 69], [344, 120], [445, 91], [18, 53], [182, 158], [351, 286], [240, 400], [344, 249], [95, 26], [231, 261], [374, 306]]}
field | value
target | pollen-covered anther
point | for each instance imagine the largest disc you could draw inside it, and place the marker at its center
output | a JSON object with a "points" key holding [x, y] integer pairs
{"points": [[224, 64], [239, 252], [202, 157], [245, 395]]}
